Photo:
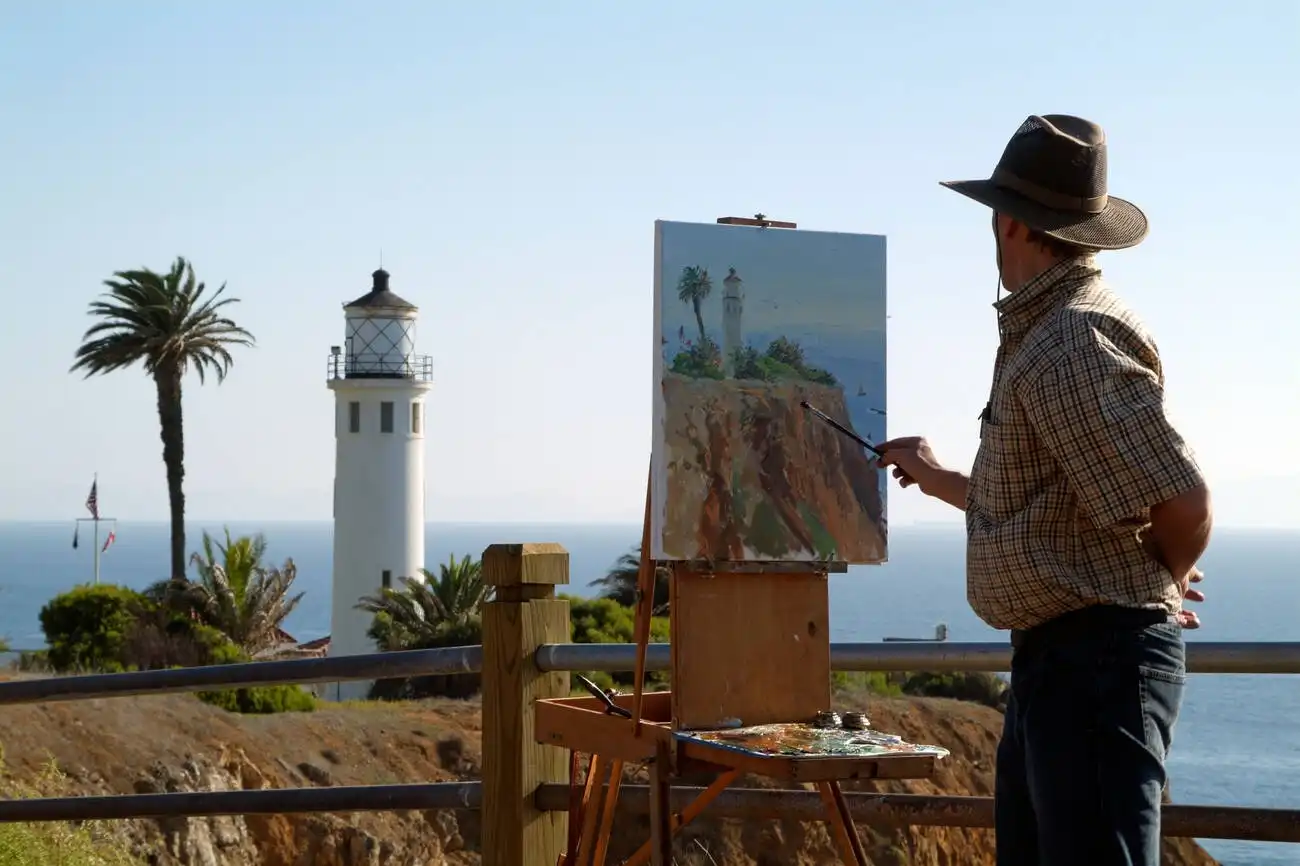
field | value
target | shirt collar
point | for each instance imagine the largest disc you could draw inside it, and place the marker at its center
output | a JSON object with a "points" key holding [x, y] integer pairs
{"points": [[1026, 302]]}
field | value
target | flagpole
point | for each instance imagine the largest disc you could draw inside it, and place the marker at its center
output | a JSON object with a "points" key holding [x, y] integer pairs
{"points": [[92, 502], [95, 486]]}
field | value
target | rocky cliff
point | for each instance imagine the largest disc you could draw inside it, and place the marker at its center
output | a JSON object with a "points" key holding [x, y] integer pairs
{"points": [[176, 743], [752, 476]]}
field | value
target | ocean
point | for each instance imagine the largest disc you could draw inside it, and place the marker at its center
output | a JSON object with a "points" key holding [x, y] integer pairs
{"points": [[1237, 741]]}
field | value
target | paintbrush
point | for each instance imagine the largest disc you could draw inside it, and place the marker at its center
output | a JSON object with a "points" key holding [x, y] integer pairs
{"points": [[840, 427]]}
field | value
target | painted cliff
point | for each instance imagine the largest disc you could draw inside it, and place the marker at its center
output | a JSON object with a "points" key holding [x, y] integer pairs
{"points": [[751, 476]]}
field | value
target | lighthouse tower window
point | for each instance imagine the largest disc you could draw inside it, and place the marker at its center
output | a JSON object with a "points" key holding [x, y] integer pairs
{"points": [[386, 579], [386, 417], [417, 422], [354, 417]]}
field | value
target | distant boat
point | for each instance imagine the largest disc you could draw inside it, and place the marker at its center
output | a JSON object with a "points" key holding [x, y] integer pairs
{"points": [[861, 391]]}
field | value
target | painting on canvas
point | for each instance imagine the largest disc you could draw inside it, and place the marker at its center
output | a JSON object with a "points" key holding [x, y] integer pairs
{"points": [[749, 322]]}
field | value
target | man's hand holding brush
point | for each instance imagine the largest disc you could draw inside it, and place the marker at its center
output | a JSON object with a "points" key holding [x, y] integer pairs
{"points": [[914, 463]]}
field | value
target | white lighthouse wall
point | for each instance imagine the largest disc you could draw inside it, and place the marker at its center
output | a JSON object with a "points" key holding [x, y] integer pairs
{"points": [[378, 507], [380, 342]]}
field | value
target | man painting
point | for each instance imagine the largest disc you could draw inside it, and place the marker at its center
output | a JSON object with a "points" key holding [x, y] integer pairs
{"points": [[1086, 513]]}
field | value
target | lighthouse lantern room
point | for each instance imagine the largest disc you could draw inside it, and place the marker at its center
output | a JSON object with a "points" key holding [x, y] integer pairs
{"points": [[379, 385]]}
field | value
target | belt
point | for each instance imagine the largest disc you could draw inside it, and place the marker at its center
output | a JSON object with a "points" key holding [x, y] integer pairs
{"points": [[1088, 621]]}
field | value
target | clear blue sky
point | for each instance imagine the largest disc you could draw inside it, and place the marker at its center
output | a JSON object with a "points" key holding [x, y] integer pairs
{"points": [[510, 159]]}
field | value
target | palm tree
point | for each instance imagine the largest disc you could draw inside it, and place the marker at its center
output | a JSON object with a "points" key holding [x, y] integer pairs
{"points": [[693, 286], [167, 324], [237, 594], [424, 612], [619, 583]]}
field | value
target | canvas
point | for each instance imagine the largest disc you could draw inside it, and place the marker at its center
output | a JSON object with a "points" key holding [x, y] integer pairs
{"points": [[749, 322]]}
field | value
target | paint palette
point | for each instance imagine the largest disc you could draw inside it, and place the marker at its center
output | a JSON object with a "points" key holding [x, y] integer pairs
{"points": [[804, 740]]}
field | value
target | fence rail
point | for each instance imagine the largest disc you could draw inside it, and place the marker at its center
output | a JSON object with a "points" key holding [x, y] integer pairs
{"points": [[1202, 657], [522, 628]]}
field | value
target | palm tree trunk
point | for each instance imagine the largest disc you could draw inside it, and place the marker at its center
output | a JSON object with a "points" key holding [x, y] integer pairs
{"points": [[168, 382], [699, 320]]}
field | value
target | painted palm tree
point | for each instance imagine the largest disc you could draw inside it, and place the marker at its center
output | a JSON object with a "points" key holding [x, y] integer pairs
{"points": [[693, 286], [237, 594], [421, 613], [619, 583], [168, 324]]}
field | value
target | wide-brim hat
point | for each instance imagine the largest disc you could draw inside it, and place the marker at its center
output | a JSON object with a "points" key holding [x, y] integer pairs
{"points": [[1052, 178]]}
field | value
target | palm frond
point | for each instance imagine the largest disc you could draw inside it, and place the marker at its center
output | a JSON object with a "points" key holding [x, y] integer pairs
{"points": [[161, 321]]}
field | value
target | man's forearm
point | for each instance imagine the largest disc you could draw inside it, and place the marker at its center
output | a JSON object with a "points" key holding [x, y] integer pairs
{"points": [[1180, 530], [948, 485]]}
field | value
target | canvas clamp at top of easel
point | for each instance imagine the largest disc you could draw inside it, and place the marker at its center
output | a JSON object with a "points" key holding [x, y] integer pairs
{"points": [[752, 502]]}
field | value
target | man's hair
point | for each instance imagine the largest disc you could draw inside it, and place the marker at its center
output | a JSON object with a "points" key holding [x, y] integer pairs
{"points": [[1057, 247]]}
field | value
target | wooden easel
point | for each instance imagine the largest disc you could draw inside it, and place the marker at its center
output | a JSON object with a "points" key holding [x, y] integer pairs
{"points": [[757, 639]]}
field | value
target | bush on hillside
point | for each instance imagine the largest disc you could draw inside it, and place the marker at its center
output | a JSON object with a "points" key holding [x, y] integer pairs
{"points": [[467, 633], [86, 628], [976, 686], [109, 628], [871, 682], [261, 700], [604, 620]]}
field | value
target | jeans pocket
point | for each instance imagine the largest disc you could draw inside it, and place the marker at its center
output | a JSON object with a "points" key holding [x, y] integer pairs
{"points": [[1162, 699]]}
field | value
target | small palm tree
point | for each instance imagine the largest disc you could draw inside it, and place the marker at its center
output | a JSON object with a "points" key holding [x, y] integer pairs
{"points": [[165, 323], [620, 582], [422, 612], [693, 286], [236, 593]]}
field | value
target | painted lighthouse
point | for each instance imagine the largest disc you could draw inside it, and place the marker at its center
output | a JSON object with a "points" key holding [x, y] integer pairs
{"points": [[733, 308], [379, 385]]}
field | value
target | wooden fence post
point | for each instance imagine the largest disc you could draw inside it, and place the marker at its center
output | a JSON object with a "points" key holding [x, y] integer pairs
{"points": [[524, 615]]}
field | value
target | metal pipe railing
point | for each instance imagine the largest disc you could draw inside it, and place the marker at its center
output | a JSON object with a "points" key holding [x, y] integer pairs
{"points": [[919, 810], [374, 666], [1217, 658], [891, 810], [1202, 657], [267, 801]]}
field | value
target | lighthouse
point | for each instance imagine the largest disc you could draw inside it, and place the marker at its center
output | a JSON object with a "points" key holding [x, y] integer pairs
{"points": [[379, 385], [733, 306]]}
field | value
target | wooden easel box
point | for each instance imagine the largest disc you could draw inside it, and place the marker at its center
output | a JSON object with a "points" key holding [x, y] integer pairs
{"points": [[753, 647]]}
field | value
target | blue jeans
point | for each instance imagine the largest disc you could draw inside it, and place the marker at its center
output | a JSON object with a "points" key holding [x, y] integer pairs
{"points": [[1080, 768]]}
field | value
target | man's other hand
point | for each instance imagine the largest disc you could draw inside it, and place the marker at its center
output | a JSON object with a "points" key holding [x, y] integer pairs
{"points": [[1188, 618]]}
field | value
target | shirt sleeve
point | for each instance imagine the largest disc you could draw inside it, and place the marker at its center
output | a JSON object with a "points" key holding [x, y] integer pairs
{"points": [[1100, 412]]}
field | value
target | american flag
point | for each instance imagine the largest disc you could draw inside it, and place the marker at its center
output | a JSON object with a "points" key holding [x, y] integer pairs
{"points": [[92, 501]]}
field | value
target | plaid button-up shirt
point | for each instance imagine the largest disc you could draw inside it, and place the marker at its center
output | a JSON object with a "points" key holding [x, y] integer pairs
{"points": [[1074, 450]]}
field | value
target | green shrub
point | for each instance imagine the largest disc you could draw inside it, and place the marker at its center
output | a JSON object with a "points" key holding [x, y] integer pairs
{"points": [[261, 700], [256, 700], [976, 686], [870, 682], [466, 633], [604, 620], [86, 627]]}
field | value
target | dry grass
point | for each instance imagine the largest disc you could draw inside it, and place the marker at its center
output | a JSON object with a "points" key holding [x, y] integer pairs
{"points": [[91, 843]]}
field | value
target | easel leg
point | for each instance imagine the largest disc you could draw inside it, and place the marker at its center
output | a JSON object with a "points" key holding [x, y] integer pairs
{"points": [[607, 819], [841, 823], [661, 825], [590, 810], [689, 814], [645, 587]]}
